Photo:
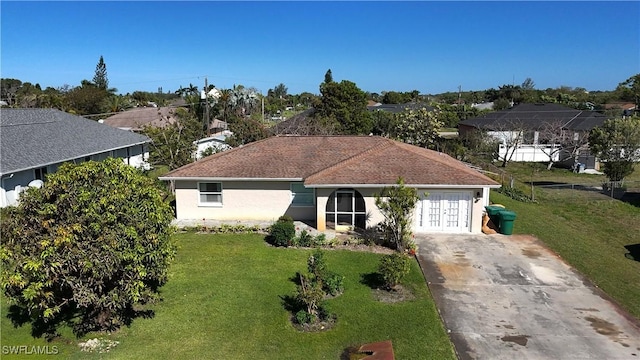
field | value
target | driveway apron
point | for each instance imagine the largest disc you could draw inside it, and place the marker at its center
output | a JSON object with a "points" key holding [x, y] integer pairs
{"points": [[510, 297]]}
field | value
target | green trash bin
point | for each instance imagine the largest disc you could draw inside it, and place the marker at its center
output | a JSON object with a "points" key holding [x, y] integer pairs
{"points": [[493, 212], [506, 221]]}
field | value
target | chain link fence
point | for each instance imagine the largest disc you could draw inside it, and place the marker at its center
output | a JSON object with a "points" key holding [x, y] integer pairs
{"points": [[591, 189]]}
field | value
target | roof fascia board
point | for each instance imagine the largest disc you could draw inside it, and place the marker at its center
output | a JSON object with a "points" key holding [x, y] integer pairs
{"points": [[417, 186], [71, 159], [204, 178]]}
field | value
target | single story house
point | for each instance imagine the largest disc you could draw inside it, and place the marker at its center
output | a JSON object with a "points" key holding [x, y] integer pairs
{"points": [[35, 142], [330, 182], [398, 108], [522, 132], [216, 141], [136, 119]]}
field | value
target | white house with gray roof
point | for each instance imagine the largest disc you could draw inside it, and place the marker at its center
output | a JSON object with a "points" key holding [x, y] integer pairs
{"points": [[35, 142]]}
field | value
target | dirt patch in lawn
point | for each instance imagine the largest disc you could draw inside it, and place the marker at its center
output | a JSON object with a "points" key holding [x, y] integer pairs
{"points": [[395, 295]]}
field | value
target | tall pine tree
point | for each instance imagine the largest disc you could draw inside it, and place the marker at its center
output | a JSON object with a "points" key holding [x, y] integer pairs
{"points": [[100, 78]]}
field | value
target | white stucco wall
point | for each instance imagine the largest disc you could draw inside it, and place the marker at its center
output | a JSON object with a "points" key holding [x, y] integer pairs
{"points": [[268, 200], [241, 200]]}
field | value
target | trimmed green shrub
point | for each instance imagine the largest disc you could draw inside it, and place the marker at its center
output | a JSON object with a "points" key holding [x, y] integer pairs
{"points": [[319, 240], [303, 317], [282, 232], [333, 284], [305, 239], [393, 268]]}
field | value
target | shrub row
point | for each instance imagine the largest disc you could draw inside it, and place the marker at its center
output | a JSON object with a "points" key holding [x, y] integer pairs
{"points": [[515, 194], [228, 229]]}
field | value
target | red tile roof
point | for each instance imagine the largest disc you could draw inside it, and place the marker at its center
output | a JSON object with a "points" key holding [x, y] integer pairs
{"points": [[334, 160]]}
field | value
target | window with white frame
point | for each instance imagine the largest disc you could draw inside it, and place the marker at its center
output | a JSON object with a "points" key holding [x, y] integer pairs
{"points": [[210, 193], [302, 196]]}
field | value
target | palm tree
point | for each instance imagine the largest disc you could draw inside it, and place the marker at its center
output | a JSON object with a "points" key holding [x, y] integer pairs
{"points": [[225, 100]]}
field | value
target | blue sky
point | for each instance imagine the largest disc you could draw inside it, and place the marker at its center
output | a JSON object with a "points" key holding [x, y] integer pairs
{"points": [[432, 47]]}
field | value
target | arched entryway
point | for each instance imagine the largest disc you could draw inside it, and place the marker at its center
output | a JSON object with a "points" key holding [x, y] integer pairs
{"points": [[346, 210]]}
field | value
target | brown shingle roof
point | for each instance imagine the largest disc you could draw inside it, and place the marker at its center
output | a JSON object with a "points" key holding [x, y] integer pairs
{"points": [[136, 119], [334, 160]]}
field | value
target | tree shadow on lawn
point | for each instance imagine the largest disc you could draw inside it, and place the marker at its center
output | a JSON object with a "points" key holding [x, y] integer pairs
{"points": [[20, 316], [291, 304], [634, 252], [373, 280]]}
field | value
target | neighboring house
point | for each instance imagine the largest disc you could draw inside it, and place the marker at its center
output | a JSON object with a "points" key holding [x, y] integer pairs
{"points": [[35, 142], [398, 108], [526, 132], [136, 119], [330, 182], [483, 106], [216, 141], [298, 124], [626, 109]]}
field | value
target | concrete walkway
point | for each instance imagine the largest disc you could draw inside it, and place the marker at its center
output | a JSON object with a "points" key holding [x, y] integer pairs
{"points": [[509, 297]]}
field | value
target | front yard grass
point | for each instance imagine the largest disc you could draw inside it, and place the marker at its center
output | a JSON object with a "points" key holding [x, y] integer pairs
{"points": [[588, 230], [224, 301]]}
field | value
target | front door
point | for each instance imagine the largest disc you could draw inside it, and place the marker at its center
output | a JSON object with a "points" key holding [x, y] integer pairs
{"points": [[444, 212]]}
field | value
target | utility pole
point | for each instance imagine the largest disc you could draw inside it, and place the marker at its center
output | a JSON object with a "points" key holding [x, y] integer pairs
{"points": [[206, 107]]}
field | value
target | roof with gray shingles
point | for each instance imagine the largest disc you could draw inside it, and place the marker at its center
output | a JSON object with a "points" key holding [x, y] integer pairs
{"points": [[31, 138], [535, 116]]}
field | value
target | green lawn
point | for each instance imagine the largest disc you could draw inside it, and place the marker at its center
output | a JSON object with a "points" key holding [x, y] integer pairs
{"points": [[589, 231], [224, 301]]}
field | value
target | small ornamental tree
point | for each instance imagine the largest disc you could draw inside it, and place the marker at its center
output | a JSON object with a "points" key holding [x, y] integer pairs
{"points": [[617, 144], [396, 204], [88, 249]]}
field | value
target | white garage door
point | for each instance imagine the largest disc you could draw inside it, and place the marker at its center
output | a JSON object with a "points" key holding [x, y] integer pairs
{"points": [[444, 212]]}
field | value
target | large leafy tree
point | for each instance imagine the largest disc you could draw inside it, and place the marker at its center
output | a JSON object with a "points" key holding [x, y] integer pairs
{"points": [[617, 144], [173, 145], [86, 98], [630, 89], [9, 90], [89, 249], [417, 127], [345, 103], [245, 131]]}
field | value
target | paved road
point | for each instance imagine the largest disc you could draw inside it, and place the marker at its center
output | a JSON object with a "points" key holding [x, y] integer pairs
{"points": [[509, 297]]}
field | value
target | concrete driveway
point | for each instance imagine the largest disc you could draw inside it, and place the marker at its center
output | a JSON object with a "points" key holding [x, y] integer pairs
{"points": [[509, 297]]}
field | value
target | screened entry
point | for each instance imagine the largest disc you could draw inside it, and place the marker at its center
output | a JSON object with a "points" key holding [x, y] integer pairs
{"points": [[346, 210]]}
